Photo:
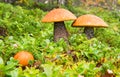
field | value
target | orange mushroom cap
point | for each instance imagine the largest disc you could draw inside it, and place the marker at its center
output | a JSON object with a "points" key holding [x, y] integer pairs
{"points": [[89, 20], [23, 57], [57, 15]]}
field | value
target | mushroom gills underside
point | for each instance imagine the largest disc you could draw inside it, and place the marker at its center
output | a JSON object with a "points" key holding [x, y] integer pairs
{"points": [[60, 31], [89, 31]]}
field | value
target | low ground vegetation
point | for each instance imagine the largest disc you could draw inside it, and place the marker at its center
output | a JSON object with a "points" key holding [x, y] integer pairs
{"points": [[24, 30]]}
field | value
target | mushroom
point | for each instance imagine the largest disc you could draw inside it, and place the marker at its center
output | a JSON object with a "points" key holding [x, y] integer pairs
{"points": [[89, 22], [58, 16]]}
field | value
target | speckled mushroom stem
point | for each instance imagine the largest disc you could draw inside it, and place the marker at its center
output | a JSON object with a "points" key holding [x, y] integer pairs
{"points": [[3, 31], [89, 31], [60, 31]]}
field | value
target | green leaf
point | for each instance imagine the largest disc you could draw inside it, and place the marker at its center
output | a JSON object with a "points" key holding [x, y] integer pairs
{"points": [[48, 69], [11, 64], [1, 61], [14, 73], [1, 64]]}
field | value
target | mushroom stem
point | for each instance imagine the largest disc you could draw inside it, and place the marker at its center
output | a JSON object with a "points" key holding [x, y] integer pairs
{"points": [[89, 31], [3, 31], [60, 31]]}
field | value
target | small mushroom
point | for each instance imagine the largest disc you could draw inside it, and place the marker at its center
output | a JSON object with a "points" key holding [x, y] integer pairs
{"points": [[58, 16], [89, 22]]}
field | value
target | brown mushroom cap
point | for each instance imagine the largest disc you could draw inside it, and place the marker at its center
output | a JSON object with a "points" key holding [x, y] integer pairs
{"points": [[89, 20], [57, 15]]}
